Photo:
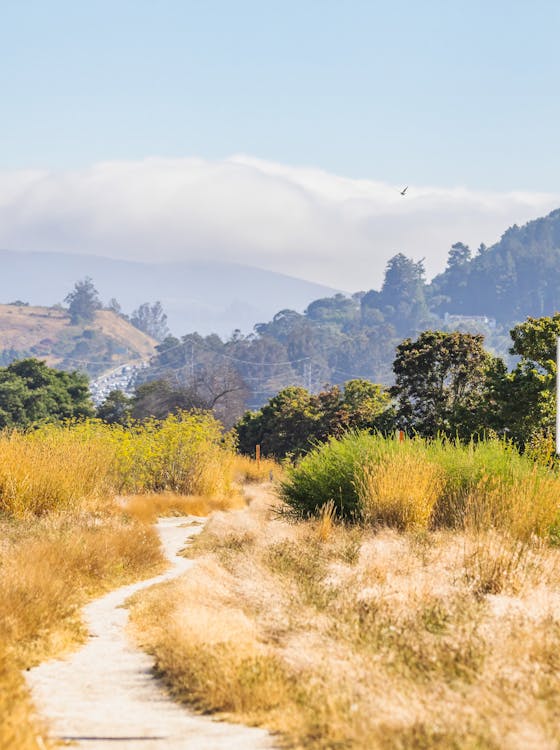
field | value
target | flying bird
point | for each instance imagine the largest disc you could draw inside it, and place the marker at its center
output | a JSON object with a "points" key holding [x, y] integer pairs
{"points": [[404, 190]]}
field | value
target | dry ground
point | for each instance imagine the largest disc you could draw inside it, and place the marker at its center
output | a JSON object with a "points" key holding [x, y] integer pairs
{"points": [[341, 637], [24, 327]]}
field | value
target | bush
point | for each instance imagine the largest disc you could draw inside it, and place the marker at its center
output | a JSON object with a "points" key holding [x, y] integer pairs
{"points": [[82, 465], [427, 483], [328, 473]]}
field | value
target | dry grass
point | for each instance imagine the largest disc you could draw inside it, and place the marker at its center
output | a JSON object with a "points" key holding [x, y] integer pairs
{"points": [[249, 470], [50, 568], [343, 637], [53, 469], [400, 492], [148, 508]]}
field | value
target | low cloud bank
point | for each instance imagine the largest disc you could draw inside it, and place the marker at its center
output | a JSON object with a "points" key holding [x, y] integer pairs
{"points": [[300, 221]]}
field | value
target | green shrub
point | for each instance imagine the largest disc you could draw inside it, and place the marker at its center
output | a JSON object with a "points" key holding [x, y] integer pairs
{"points": [[427, 483]]}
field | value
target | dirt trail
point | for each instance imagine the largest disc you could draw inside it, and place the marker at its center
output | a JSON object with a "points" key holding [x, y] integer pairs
{"points": [[104, 697]]}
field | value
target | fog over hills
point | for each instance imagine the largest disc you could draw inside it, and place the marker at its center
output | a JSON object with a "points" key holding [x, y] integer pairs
{"points": [[209, 297]]}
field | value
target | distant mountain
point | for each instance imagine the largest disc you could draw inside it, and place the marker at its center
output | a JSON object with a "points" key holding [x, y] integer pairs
{"points": [[208, 297], [516, 277], [47, 333]]}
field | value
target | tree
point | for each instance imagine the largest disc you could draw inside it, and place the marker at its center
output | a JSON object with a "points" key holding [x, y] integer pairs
{"points": [[294, 420], [402, 295], [159, 398], [114, 306], [151, 319], [458, 256], [83, 301], [441, 383], [524, 399], [116, 408], [31, 393], [284, 425]]}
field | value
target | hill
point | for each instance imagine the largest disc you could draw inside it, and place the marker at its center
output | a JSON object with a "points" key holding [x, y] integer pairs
{"points": [[203, 296], [47, 333], [516, 277], [341, 337]]}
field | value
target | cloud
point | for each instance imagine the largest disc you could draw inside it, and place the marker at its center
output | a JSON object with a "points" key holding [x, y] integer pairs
{"points": [[300, 221]]}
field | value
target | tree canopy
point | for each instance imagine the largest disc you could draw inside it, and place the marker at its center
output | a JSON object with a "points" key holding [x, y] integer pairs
{"points": [[31, 393], [294, 419], [151, 319], [83, 301]]}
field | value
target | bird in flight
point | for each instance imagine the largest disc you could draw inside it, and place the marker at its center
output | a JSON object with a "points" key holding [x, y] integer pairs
{"points": [[404, 190]]}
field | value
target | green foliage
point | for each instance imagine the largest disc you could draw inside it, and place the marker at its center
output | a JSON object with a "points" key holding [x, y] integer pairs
{"points": [[328, 473], [116, 408], [441, 383], [517, 277], [83, 301], [32, 393], [523, 401], [476, 486], [295, 419]]}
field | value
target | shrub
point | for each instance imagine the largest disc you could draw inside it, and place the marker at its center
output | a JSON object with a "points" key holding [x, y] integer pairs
{"points": [[421, 483], [326, 474]]}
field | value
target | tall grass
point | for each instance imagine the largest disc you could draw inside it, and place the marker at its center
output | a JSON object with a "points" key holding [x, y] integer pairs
{"points": [[82, 465], [427, 484], [55, 467], [63, 539], [344, 636], [400, 492]]}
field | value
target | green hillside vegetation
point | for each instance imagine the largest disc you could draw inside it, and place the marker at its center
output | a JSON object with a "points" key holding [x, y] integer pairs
{"points": [[516, 277], [48, 333], [341, 338]]}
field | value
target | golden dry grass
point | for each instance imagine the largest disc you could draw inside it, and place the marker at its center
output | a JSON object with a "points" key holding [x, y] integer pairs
{"points": [[400, 492], [247, 469], [149, 507], [342, 637], [53, 469], [50, 568]]}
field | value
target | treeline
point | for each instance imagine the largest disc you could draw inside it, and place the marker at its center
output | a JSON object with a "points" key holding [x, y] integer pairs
{"points": [[446, 385], [355, 337]]}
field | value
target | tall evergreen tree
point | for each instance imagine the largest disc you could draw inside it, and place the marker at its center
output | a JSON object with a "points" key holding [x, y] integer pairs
{"points": [[83, 301]]}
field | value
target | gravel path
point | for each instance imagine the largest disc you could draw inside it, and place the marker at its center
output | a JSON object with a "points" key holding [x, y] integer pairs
{"points": [[105, 697]]}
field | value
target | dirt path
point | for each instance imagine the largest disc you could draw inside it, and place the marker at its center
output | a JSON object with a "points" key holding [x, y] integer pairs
{"points": [[104, 697]]}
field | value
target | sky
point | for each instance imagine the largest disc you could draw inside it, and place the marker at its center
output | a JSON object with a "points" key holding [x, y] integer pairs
{"points": [[276, 133]]}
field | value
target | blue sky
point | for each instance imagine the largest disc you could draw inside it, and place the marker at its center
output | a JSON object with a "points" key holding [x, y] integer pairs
{"points": [[459, 100], [445, 93]]}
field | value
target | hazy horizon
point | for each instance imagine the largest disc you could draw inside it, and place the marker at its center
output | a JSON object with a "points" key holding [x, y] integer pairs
{"points": [[299, 221]]}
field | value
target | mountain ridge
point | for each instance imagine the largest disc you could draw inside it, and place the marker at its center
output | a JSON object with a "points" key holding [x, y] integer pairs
{"points": [[207, 296]]}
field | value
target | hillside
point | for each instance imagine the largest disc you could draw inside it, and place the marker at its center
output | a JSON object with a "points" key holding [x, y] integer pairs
{"points": [[341, 337], [516, 277], [203, 296], [46, 333]]}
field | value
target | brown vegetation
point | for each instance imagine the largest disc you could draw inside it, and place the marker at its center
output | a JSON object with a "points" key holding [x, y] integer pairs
{"points": [[50, 568], [342, 637], [25, 327]]}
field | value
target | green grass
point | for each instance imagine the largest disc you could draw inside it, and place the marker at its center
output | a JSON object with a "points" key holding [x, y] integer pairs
{"points": [[426, 484]]}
